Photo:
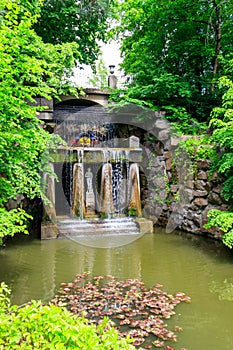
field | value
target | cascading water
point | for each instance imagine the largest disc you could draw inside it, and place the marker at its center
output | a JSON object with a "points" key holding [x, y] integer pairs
{"points": [[119, 183], [49, 183], [78, 207], [98, 176], [106, 195], [119, 187], [67, 178], [134, 190]]}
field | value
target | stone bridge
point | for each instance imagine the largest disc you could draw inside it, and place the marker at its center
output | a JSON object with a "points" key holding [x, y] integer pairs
{"points": [[91, 97]]}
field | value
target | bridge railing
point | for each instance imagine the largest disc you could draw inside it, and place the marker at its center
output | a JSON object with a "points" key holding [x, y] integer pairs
{"points": [[99, 81]]}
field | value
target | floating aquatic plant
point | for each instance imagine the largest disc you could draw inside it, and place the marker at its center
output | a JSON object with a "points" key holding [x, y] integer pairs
{"points": [[136, 311]]}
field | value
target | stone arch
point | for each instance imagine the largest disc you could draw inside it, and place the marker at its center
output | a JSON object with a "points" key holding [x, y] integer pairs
{"points": [[73, 101], [91, 97]]}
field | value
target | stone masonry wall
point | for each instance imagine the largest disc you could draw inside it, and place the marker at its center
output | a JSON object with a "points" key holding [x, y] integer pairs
{"points": [[161, 184], [204, 194]]}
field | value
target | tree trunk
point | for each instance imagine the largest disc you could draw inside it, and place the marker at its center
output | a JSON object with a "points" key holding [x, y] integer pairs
{"points": [[217, 29]]}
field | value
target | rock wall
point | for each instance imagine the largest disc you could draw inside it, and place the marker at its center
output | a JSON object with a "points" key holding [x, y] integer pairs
{"points": [[168, 193], [204, 194]]}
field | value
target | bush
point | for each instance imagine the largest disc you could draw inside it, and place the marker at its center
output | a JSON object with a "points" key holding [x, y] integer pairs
{"points": [[199, 148], [37, 326], [223, 220]]}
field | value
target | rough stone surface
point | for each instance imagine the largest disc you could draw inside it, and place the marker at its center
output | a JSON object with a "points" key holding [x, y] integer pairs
{"points": [[214, 198], [203, 164], [175, 141], [190, 184], [200, 193], [163, 135], [168, 164], [174, 188], [192, 200], [146, 226], [200, 185], [49, 231], [218, 189], [162, 124], [200, 202], [202, 175]]}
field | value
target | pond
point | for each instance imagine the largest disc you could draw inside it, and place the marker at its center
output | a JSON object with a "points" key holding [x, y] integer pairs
{"points": [[199, 267]]}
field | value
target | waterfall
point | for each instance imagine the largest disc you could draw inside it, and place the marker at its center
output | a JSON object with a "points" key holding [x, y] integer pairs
{"points": [[49, 204], [106, 197], [112, 185], [119, 182], [134, 190], [78, 207]]}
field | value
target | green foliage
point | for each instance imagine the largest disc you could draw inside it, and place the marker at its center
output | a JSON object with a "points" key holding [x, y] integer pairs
{"points": [[222, 124], [175, 50], [132, 210], [12, 222], [38, 326], [84, 22], [199, 147], [183, 122], [28, 69], [4, 297], [223, 220], [100, 79]]}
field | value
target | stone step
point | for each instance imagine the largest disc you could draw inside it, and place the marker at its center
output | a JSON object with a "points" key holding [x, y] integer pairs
{"points": [[72, 227], [86, 225]]}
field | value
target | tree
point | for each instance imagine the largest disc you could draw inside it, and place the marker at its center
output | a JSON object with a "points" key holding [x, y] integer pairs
{"points": [[174, 51], [28, 68], [100, 79], [83, 21], [222, 124]]}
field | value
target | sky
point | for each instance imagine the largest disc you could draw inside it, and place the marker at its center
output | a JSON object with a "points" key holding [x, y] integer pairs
{"points": [[111, 55]]}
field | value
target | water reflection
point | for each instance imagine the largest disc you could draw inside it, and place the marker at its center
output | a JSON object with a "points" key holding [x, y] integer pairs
{"points": [[199, 267]]}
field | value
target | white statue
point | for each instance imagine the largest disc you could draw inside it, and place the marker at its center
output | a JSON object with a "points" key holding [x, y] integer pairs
{"points": [[89, 177]]}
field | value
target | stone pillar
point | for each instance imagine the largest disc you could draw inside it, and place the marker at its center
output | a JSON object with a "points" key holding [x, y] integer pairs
{"points": [[112, 81]]}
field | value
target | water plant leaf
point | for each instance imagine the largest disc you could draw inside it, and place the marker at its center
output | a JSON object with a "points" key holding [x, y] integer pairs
{"points": [[136, 311]]}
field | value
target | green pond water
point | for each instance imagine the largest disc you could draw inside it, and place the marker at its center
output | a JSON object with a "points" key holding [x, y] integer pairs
{"points": [[200, 267]]}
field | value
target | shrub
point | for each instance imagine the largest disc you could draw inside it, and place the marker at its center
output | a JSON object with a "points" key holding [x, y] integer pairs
{"points": [[37, 326], [223, 220]]}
